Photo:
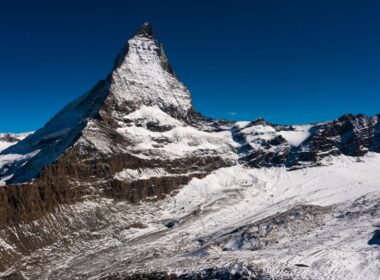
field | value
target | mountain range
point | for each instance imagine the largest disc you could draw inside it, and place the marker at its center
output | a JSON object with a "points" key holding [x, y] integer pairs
{"points": [[129, 181]]}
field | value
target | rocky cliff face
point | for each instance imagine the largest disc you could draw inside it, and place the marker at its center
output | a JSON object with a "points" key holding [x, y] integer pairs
{"points": [[136, 138], [264, 144], [349, 135]]}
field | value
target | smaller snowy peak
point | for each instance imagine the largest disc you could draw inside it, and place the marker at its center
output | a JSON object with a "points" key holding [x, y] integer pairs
{"points": [[260, 130], [260, 144], [261, 121], [350, 117], [9, 139], [351, 135]]}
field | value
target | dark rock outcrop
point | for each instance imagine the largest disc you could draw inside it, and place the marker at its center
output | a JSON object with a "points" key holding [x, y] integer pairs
{"points": [[349, 135]]}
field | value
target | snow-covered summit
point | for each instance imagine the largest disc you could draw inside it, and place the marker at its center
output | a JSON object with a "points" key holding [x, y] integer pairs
{"points": [[143, 76]]}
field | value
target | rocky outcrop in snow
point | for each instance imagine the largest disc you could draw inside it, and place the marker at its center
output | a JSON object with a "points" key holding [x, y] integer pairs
{"points": [[352, 135]]}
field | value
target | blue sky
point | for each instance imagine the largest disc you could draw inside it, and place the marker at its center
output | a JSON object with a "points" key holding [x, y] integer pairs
{"points": [[288, 61]]}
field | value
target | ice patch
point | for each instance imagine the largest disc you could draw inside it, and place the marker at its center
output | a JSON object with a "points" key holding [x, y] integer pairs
{"points": [[14, 158], [7, 158], [130, 175], [153, 114], [14, 138], [297, 136], [179, 141]]}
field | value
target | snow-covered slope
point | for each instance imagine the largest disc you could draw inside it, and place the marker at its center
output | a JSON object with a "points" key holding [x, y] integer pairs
{"points": [[314, 223], [9, 139]]}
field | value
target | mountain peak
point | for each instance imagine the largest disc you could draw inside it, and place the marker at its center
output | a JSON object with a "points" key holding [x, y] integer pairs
{"points": [[261, 121], [143, 76], [146, 31]]}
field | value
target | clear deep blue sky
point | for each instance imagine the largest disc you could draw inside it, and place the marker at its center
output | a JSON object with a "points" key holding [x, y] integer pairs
{"points": [[288, 61]]}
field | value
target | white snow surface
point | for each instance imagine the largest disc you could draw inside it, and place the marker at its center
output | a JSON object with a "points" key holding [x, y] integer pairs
{"points": [[180, 140], [14, 158], [152, 114], [255, 132], [276, 189], [130, 175], [237, 196], [4, 144], [298, 135]]}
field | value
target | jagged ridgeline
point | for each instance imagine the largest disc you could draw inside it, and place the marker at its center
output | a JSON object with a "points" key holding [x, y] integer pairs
{"points": [[103, 164]]}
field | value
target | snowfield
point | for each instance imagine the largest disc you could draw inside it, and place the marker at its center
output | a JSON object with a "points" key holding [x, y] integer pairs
{"points": [[177, 139], [206, 214], [298, 135], [233, 197], [7, 140], [152, 114], [239, 195]]}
